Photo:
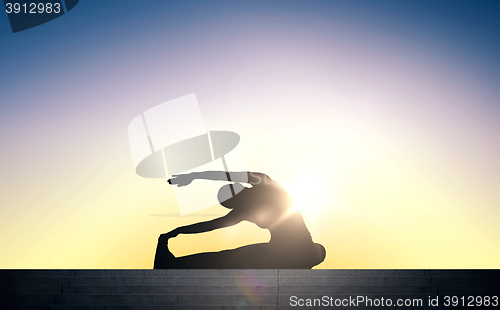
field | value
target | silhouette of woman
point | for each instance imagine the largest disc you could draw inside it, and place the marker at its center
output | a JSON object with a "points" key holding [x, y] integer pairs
{"points": [[266, 204]]}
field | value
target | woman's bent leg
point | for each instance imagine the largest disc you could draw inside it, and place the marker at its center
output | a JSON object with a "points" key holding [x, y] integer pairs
{"points": [[250, 256], [164, 259], [255, 256], [318, 254]]}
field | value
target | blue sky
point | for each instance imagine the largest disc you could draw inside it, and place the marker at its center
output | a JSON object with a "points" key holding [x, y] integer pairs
{"points": [[413, 82]]}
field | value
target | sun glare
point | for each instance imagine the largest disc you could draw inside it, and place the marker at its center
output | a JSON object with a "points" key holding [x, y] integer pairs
{"points": [[309, 194]]}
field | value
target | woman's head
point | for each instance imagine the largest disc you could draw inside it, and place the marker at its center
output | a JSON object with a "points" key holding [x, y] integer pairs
{"points": [[227, 192]]}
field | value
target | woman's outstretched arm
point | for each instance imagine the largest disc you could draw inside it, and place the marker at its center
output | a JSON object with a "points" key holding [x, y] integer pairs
{"points": [[254, 178], [228, 220]]}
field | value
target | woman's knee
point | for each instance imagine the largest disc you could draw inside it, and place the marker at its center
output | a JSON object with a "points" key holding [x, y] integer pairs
{"points": [[320, 253]]}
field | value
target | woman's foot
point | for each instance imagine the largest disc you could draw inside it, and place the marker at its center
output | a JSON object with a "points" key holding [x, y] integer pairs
{"points": [[164, 259]]}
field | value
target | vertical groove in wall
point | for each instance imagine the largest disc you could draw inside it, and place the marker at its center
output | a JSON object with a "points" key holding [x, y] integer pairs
{"points": [[278, 290]]}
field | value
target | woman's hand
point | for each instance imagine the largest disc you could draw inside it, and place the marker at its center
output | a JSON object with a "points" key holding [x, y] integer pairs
{"points": [[181, 179], [165, 237]]}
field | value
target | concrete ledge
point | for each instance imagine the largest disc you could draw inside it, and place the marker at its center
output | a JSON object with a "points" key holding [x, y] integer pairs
{"points": [[35, 280], [463, 273], [228, 289], [357, 290], [469, 281], [352, 273], [353, 281], [14, 299], [208, 290], [166, 307], [470, 290], [174, 272], [30, 289], [172, 300], [175, 281], [36, 272]]}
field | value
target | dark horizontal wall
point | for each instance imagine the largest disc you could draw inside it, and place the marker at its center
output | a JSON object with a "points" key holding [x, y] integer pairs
{"points": [[237, 289]]}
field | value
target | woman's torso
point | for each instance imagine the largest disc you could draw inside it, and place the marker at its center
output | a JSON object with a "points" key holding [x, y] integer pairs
{"points": [[270, 206]]}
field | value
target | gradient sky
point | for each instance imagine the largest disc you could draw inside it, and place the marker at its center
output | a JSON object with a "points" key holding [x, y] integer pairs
{"points": [[381, 117]]}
